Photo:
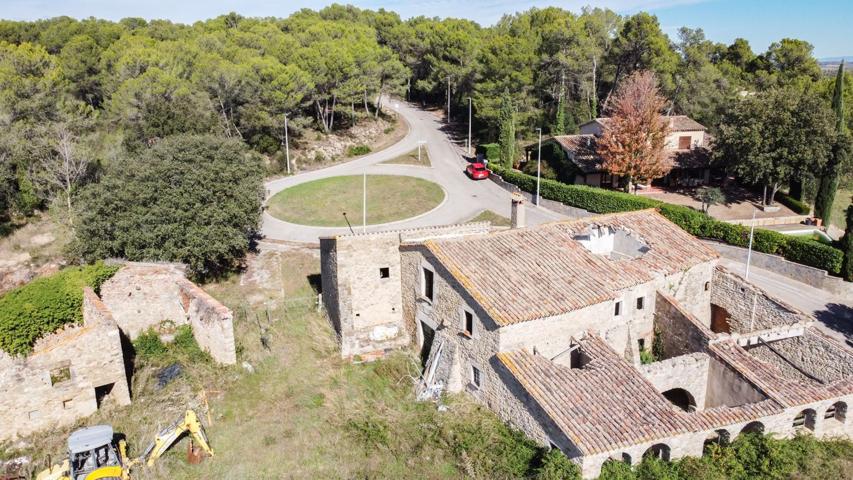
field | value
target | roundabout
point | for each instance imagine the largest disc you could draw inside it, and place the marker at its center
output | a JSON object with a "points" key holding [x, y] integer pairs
{"points": [[330, 202]]}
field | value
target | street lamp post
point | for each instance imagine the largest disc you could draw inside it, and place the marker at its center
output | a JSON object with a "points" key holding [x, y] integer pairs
{"points": [[286, 145], [538, 166], [364, 205], [469, 126]]}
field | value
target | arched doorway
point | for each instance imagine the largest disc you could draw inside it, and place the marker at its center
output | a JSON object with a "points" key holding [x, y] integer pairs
{"points": [[681, 398], [805, 419], [720, 437], [659, 450], [753, 427]]}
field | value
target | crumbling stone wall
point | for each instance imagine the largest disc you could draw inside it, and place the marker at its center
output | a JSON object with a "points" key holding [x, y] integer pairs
{"points": [[689, 372], [56, 384], [212, 322], [808, 357], [142, 295], [678, 331], [750, 308]]}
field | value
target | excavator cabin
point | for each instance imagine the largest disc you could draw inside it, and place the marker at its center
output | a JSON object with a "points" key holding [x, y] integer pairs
{"points": [[94, 454]]}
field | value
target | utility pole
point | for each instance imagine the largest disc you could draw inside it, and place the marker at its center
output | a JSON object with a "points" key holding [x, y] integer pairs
{"points": [[364, 205], [469, 126], [286, 145], [749, 251], [448, 99], [538, 166]]}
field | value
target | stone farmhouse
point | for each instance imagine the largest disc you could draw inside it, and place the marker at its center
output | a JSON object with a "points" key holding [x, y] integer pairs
{"points": [[688, 146], [73, 372], [552, 327]]}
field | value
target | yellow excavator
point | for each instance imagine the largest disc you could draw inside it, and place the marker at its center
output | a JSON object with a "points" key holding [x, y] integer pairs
{"points": [[94, 454]]}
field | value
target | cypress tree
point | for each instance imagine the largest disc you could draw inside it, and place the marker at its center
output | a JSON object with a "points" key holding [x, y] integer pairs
{"points": [[847, 246], [829, 180], [560, 120], [507, 130]]}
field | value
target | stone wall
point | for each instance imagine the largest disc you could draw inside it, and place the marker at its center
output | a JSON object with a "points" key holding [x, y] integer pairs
{"points": [[727, 387], [679, 332], [796, 271], [329, 282], [142, 295], [56, 384], [212, 322], [689, 372], [819, 357], [749, 307]]}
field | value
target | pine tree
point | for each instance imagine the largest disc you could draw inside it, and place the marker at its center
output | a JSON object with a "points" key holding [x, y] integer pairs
{"points": [[507, 130], [829, 180], [847, 246]]}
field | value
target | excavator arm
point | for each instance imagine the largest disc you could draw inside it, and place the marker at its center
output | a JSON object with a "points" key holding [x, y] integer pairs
{"points": [[169, 435]]}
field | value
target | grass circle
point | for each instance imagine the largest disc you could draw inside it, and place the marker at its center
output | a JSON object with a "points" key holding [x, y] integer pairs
{"points": [[321, 203]]}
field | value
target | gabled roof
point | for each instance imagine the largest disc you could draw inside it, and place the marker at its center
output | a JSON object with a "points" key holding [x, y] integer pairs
{"points": [[677, 123], [524, 274]]}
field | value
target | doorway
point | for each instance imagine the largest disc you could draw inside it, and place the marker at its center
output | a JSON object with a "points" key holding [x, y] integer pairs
{"points": [[427, 336]]}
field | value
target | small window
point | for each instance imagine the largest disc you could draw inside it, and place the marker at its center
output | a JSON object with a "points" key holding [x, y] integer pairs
{"points": [[384, 272], [684, 143], [617, 310], [641, 344], [59, 375], [640, 301], [468, 323], [707, 286], [66, 404], [427, 286], [475, 376], [34, 415]]}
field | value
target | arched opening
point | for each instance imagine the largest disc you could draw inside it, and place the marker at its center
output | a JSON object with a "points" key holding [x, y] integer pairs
{"points": [[681, 398], [837, 411], [659, 451], [626, 458], [719, 437], [753, 427], [805, 419]]}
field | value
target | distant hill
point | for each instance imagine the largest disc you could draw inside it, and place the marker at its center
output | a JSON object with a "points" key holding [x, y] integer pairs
{"points": [[831, 63]]}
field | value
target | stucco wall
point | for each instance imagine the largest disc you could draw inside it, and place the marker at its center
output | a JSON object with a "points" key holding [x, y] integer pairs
{"points": [[91, 353], [726, 387], [750, 308]]}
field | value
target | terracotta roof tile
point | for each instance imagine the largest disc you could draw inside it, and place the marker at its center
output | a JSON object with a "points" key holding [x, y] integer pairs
{"points": [[524, 274]]}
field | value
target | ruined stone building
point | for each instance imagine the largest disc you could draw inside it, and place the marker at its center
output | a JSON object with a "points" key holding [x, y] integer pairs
{"points": [[609, 337], [72, 372]]}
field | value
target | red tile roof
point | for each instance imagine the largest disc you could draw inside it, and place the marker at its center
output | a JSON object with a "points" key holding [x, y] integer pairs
{"points": [[524, 274], [677, 123]]}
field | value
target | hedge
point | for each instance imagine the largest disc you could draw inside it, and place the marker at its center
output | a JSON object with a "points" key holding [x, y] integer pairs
{"points": [[800, 208], [490, 151], [45, 305], [598, 200]]}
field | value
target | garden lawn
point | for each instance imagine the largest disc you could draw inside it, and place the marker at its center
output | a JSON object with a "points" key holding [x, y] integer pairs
{"points": [[323, 202], [839, 207]]}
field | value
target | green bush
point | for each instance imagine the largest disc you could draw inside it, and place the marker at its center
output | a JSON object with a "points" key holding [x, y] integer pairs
{"points": [[44, 305], [599, 200], [148, 344], [556, 466], [186, 345], [800, 208], [357, 150], [491, 151]]}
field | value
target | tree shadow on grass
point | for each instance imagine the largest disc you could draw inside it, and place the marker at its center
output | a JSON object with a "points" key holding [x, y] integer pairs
{"points": [[838, 317]]}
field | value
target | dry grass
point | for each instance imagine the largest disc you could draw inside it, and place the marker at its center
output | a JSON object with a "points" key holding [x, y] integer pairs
{"points": [[41, 240], [490, 216], [411, 158]]}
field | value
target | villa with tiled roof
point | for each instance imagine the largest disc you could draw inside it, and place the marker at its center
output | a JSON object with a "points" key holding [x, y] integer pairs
{"points": [[610, 337]]}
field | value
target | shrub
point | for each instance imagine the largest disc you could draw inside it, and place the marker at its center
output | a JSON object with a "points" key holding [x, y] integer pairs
{"points": [[800, 208], [356, 150], [186, 345], [490, 151], [44, 305], [615, 470], [598, 200], [556, 466], [148, 344], [371, 432]]}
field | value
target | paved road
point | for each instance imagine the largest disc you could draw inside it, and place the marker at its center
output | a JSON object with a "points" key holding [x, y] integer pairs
{"points": [[464, 198], [834, 313]]}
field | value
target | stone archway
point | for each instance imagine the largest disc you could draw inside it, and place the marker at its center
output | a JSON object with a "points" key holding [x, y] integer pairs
{"points": [[837, 411], [661, 451], [753, 427], [806, 419], [681, 398], [720, 437]]}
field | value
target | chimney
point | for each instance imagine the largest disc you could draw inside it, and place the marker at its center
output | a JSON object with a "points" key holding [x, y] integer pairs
{"points": [[517, 220]]}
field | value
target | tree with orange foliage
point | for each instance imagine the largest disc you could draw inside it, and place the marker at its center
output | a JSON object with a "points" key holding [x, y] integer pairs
{"points": [[633, 141]]}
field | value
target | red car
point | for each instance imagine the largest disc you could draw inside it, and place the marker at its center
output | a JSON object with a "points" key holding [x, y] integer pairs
{"points": [[477, 171]]}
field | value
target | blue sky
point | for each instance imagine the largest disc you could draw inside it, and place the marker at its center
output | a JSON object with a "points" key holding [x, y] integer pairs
{"points": [[827, 24]]}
